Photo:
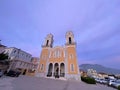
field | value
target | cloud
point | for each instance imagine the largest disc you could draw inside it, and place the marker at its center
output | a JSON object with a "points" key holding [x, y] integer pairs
{"points": [[95, 24]]}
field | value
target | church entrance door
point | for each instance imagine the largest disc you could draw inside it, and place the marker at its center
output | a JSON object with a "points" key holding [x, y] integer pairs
{"points": [[62, 70], [50, 70], [56, 70]]}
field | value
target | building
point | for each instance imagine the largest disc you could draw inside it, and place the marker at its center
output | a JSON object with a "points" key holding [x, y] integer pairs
{"points": [[2, 48], [102, 75], [35, 60], [92, 73], [59, 60], [83, 73], [24, 67], [117, 76], [17, 54]]}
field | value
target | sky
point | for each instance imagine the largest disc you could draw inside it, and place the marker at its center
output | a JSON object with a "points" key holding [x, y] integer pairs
{"points": [[95, 23]]}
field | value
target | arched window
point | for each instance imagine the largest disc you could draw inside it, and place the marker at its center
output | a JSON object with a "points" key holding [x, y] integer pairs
{"points": [[47, 42], [71, 56], [70, 41]]}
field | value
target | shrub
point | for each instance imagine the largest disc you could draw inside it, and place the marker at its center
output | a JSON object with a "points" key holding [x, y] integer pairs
{"points": [[118, 87], [88, 80]]}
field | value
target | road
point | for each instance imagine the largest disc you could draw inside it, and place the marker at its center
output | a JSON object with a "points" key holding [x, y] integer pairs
{"points": [[34, 83]]}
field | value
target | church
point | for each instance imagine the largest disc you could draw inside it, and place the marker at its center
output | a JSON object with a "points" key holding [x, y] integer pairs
{"points": [[59, 61]]}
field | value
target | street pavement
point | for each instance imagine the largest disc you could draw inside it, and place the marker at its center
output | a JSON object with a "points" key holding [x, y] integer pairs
{"points": [[35, 83], [6, 83]]}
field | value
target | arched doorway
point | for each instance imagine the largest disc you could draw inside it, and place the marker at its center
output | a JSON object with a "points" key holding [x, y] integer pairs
{"points": [[50, 68], [56, 70], [62, 70]]}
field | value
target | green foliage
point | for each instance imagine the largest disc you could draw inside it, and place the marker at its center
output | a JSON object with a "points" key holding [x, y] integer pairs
{"points": [[118, 87], [3, 56], [88, 80]]}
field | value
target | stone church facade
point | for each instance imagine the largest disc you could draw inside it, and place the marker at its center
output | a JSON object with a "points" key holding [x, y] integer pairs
{"points": [[59, 60]]}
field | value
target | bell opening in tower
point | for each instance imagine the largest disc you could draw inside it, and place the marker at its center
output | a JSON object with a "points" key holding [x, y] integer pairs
{"points": [[70, 40], [47, 42]]}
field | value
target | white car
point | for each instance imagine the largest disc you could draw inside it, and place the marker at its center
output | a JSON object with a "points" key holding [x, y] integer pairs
{"points": [[111, 82], [116, 84], [97, 80], [104, 81], [101, 81]]}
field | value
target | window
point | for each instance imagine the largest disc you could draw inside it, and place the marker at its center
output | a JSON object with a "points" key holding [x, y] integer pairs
{"points": [[20, 63], [72, 67], [15, 51], [71, 56], [47, 42], [60, 52], [57, 54], [54, 54], [70, 40]]}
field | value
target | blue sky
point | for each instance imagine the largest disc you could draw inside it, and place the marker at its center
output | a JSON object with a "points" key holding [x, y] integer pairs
{"points": [[95, 23]]}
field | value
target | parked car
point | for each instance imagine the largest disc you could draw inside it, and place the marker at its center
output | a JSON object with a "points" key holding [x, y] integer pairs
{"points": [[116, 84], [97, 80], [13, 73], [111, 82], [105, 81], [101, 81]]}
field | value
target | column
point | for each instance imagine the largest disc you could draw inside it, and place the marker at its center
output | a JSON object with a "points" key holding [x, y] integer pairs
{"points": [[53, 70], [59, 69]]}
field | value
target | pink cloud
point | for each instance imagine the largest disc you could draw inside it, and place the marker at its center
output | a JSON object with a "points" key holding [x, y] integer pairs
{"points": [[115, 59]]}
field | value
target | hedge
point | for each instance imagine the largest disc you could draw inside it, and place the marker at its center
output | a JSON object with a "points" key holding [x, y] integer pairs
{"points": [[118, 87], [88, 80]]}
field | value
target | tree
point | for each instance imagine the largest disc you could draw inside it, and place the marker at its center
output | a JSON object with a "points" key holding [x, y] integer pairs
{"points": [[3, 56]]}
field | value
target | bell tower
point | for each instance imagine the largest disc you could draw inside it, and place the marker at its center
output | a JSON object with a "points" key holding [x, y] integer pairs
{"points": [[48, 41], [71, 57], [70, 38]]}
